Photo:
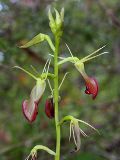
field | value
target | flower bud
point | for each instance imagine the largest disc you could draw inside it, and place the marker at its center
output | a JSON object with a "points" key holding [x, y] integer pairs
{"points": [[49, 108], [56, 23]]}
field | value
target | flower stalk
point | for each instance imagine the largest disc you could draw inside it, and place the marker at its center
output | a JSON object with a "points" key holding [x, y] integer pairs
{"points": [[56, 97]]}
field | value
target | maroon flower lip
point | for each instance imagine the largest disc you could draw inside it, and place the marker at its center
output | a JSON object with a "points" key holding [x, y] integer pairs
{"points": [[29, 112], [49, 108], [92, 87], [90, 82], [30, 106]]}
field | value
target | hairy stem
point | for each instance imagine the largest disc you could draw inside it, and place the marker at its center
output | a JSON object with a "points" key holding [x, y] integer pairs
{"points": [[56, 94]]}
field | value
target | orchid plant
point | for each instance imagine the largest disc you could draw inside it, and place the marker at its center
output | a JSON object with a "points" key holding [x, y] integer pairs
{"points": [[30, 106]]}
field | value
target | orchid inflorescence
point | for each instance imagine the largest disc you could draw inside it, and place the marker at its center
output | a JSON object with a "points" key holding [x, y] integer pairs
{"points": [[30, 106]]}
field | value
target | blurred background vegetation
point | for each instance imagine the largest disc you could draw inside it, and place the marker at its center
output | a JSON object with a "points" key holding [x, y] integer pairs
{"points": [[88, 25]]}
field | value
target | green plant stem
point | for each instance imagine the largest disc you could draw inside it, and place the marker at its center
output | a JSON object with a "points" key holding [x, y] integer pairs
{"points": [[50, 75], [69, 59], [56, 95]]}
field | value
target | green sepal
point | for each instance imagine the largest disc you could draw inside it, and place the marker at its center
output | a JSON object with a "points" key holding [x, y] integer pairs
{"points": [[43, 76], [37, 39], [26, 71]]}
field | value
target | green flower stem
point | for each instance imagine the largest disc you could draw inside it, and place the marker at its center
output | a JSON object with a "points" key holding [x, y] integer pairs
{"points": [[66, 118], [50, 75], [56, 95], [69, 59], [41, 147]]}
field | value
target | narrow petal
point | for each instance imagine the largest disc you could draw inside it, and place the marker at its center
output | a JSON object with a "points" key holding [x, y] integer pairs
{"points": [[83, 133], [74, 136], [77, 133], [88, 125]]}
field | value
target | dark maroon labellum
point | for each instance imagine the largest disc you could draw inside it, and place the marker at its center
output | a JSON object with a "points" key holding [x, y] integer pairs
{"points": [[49, 108], [92, 87], [30, 110]]}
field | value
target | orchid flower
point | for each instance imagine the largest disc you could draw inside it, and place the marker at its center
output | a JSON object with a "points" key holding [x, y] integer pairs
{"points": [[30, 106], [90, 82], [75, 130]]}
